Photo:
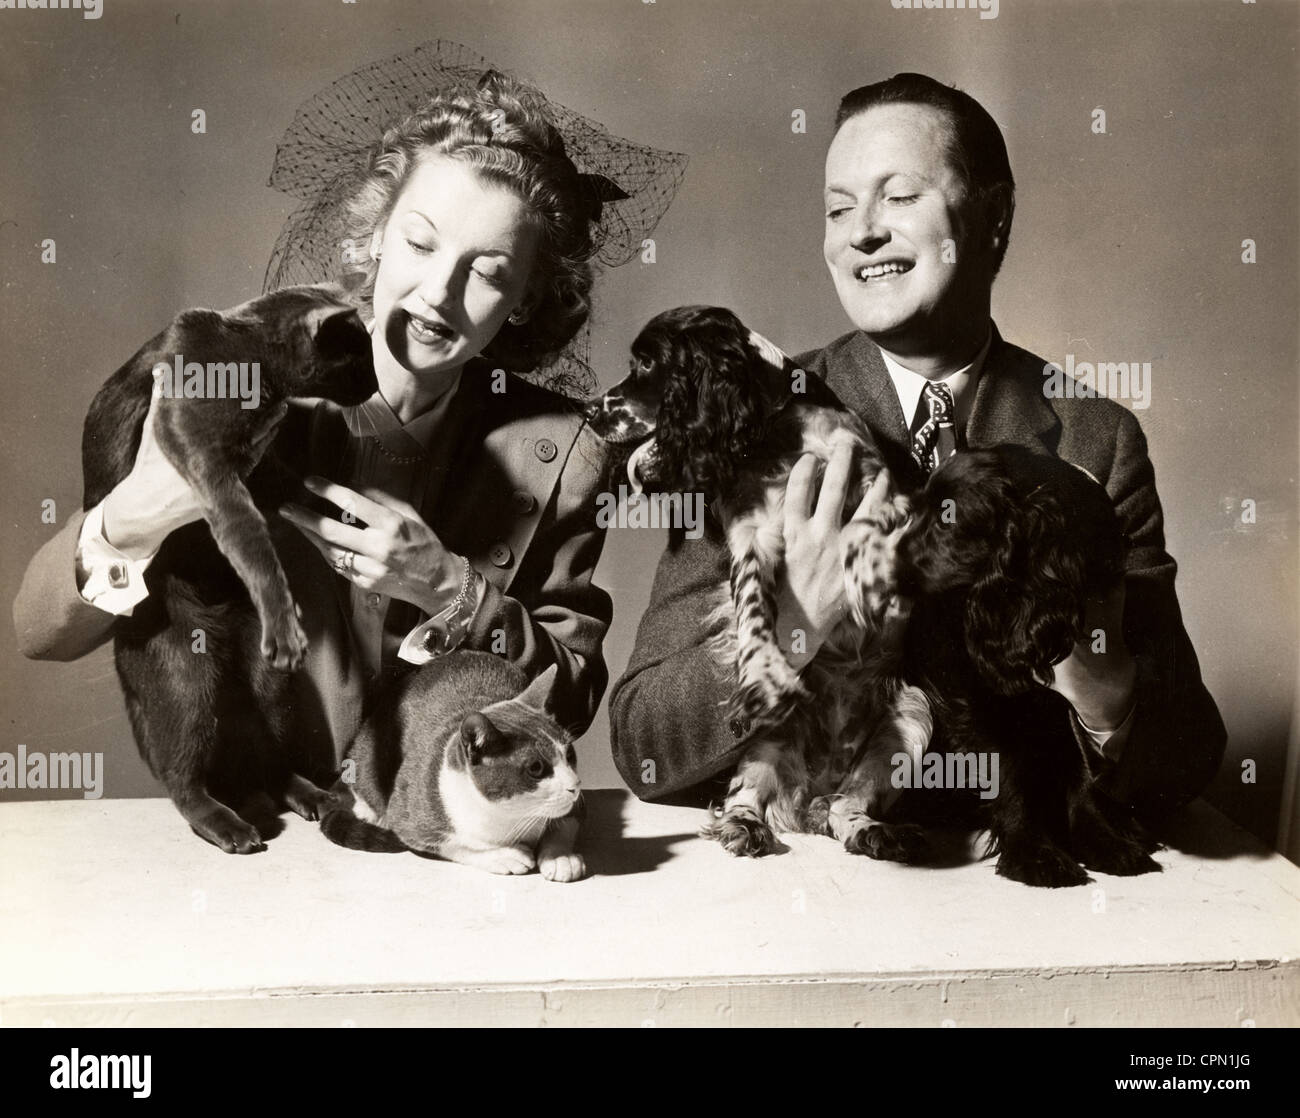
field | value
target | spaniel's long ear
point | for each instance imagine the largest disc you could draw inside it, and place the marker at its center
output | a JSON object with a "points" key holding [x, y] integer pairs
{"points": [[1025, 613], [714, 414]]}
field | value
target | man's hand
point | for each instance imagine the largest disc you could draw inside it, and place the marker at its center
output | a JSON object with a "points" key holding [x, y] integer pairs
{"points": [[1100, 685], [810, 597]]}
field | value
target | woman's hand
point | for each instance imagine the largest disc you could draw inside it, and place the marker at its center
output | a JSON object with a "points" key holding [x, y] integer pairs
{"points": [[811, 596], [153, 500], [1099, 685], [395, 553]]}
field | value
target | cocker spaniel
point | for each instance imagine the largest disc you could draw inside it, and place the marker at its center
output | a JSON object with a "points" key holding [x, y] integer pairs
{"points": [[1004, 548], [710, 406]]}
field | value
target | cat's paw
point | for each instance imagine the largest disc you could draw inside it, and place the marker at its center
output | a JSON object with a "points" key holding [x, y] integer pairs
{"points": [[231, 834], [284, 644], [305, 799], [506, 860], [562, 867]]}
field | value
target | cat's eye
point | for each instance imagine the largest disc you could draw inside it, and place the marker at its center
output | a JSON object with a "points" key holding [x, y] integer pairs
{"points": [[537, 769]]}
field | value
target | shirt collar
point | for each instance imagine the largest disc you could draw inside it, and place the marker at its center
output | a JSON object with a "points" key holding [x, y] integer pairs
{"points": [[909, 385]]}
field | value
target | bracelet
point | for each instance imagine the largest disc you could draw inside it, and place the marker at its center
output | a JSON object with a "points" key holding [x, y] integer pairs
{"points": [[449, 627]]}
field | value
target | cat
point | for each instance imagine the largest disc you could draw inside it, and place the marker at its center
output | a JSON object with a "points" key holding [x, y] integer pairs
{"points": [[212, 721], [462, 761]]}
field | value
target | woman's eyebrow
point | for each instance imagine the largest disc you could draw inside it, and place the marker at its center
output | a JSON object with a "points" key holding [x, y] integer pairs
{"points": [[505, 252]]}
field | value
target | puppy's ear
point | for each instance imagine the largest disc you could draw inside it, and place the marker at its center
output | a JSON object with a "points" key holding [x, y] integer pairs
{"points": [[1025, 612], [715, 414]]}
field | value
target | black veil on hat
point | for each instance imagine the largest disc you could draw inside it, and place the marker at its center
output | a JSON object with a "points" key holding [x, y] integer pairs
{"points": [[324, 156]]}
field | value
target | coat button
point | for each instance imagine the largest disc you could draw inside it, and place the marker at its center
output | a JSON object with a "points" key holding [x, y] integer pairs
{"points": [[523, 502], [372, 600], [500, 555], [545, 449], [739, 727]]}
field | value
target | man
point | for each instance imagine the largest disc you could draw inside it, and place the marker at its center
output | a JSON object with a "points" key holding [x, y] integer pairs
{"points": [[919, 201]]}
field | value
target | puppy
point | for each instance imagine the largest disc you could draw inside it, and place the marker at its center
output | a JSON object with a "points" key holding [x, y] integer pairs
{"points": [[1004, 548], [710, 406]]}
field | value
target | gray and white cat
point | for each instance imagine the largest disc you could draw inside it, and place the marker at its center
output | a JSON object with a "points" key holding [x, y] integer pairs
{"points": [[463, 762]]}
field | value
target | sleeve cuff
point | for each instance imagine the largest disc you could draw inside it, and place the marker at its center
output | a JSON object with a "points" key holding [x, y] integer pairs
{"points": [[1109, 743], [108, 579], [442, 633]]}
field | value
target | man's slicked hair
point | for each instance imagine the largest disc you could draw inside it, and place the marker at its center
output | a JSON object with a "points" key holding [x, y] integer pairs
{"points": [[979, 152]]}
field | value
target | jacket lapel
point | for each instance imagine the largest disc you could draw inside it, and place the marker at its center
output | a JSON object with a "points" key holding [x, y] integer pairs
{"points": [[1009, 405]]}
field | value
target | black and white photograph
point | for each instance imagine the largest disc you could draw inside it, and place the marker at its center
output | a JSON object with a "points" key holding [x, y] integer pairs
{"points": [[650, 514]]}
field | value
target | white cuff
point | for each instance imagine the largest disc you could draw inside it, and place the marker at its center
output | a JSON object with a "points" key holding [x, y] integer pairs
{"points": [[1109, 743], [114, 582], [426, 641]]}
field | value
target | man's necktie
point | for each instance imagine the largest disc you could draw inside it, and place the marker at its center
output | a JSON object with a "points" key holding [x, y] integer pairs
{"points": [[936, 438]]}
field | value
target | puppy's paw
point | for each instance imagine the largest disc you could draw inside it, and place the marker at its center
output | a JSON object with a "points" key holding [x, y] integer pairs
{"points": [[563, 867], [766, 702], [1045, 866], [1118, 856], [817, 816], [741, 835], [888, 842], [870, 556]]}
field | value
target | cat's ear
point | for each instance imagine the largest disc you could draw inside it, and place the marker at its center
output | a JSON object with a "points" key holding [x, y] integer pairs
{"points": [[538, 693], [336, 329], [480, 737]]}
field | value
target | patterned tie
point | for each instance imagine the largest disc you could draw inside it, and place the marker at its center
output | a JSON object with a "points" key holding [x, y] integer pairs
{"points": [[937, 436]]}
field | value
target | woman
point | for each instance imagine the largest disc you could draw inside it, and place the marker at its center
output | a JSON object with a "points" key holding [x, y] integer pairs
{"points": [[459, 509]]}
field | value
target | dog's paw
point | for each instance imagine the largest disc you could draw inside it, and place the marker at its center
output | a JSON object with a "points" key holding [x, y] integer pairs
{"points": [[888, 842], [869, 551], [1045, 867], [817, 816], [1115, 855], [741, 835], [765, 702]]}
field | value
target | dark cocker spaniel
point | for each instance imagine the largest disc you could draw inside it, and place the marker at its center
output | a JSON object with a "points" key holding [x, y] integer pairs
{"points": [[1004, 549]]}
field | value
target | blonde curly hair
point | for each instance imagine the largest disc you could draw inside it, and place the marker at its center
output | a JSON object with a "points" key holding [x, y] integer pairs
{"points": [[504, 132]]}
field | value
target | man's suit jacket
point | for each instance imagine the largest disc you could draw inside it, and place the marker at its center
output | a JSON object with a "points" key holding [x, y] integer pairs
{"points": [[670, 740], [519, 501]]}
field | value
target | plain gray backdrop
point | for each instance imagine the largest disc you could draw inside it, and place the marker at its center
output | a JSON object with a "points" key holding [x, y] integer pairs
{"points": [[1126, 247]]}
